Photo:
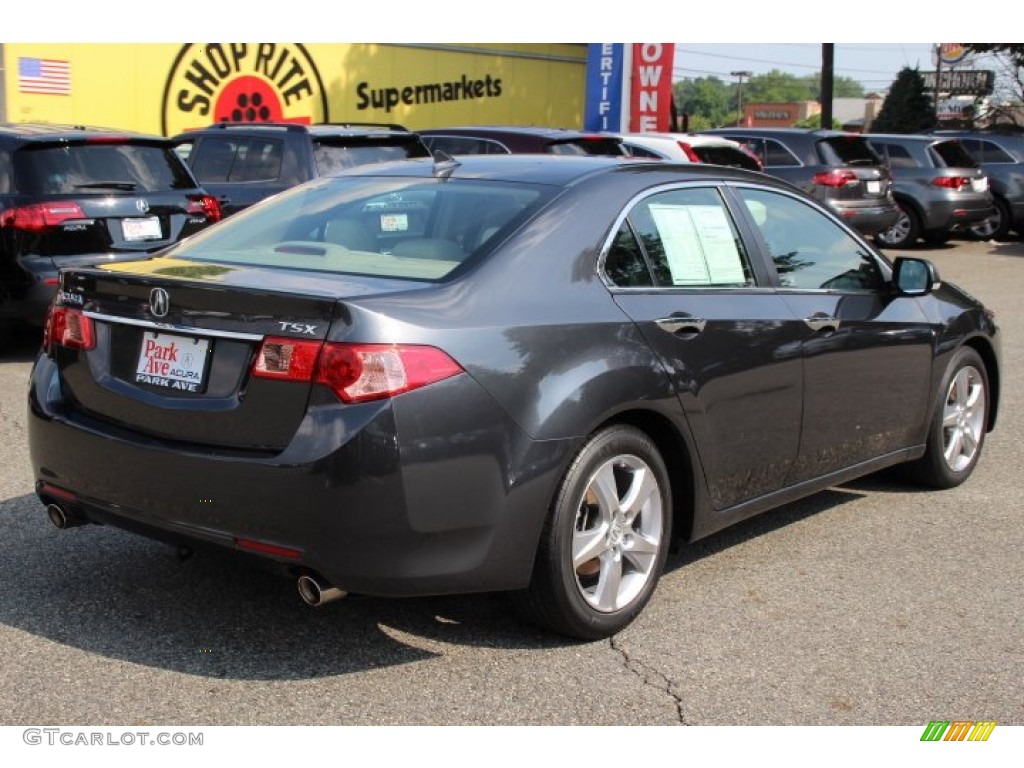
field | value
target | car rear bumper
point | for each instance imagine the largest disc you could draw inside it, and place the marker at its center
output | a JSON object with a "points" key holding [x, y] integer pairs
{"points": [[444, 508], [867, 219], [952, 215]]}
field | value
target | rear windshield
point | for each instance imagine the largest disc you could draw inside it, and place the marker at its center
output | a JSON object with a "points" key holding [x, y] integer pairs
{"points": [[336, 155], [596, 146], [418, 229], [953, 154], [847, 150], [731, 156], [101, 168]]}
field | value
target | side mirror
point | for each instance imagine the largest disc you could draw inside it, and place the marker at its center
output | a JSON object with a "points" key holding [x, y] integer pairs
{"points": [[915, 277]]}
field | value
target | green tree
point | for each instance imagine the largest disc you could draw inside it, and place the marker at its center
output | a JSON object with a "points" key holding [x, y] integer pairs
{"points": [[706, 100], [777, 87], [814, 121], [907, 108]]}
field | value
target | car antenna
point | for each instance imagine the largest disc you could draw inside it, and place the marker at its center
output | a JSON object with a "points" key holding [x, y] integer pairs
{"points": [[444, 165]]}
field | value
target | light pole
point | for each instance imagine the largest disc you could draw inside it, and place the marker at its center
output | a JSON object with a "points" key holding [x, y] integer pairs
{"points": [[742, 73]]}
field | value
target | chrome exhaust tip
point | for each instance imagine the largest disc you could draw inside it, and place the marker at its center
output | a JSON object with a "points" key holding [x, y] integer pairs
{"points": [[316, 592], [63, 519]]}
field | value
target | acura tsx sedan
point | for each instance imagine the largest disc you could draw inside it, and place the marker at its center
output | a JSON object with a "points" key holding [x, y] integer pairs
{"points": [[502, 373]]}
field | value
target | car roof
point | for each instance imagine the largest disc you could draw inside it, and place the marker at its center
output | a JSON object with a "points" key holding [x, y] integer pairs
{"points": [[695, 139], [556, 170], [916, 138], [824, 133], [513, 130], [312, 129], [55, 131]]}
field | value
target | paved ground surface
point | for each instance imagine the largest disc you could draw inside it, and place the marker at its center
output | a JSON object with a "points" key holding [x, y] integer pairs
{"points": [[872, 603]]}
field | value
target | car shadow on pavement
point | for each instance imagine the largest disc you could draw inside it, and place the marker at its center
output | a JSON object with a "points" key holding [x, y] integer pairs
{"points": [[19, 345], [885, 481], [1008, 248], [219, 614]]}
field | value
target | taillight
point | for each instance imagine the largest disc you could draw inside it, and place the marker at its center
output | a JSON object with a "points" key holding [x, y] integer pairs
{"points": [[39, 217], [692, 156], [287, 359], [355, 372], [68, 327], [205, 205], [837, 177], [951, 182]]}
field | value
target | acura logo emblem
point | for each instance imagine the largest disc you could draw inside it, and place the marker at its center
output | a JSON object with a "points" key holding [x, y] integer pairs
{"points": [[142, 205], [159, 302]]}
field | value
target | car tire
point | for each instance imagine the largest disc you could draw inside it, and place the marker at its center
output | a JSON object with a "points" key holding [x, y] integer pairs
{"points": [[606, 538], [995, 227], [902, 234], [956, 433]]}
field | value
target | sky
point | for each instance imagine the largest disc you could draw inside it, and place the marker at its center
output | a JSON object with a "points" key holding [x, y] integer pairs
{"points": [[874, 65], [781, 35]]}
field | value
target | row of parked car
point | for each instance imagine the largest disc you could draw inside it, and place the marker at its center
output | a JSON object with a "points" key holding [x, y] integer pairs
{"points": [[901, 189], [72, 195]]}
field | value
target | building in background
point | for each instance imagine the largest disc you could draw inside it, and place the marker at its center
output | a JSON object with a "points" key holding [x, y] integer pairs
{"points": [[166, 88]]}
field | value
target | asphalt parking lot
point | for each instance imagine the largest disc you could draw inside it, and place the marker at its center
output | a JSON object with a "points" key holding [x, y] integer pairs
{"points": [[870, 604]]}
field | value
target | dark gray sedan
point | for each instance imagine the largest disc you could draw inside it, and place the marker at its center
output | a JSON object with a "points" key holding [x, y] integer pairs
{"points": [[514, 373]]}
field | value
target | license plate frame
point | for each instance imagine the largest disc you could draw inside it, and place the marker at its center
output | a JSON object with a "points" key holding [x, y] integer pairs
{"points": [[137, 229], [173, 363]]}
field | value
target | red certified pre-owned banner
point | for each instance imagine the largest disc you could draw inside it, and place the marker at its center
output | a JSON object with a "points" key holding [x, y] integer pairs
{"points": [[651, 98]]}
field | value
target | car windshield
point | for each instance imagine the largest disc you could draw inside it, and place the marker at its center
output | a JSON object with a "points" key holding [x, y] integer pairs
{"points": [[102, 168], [336, 155], [731, 156], [953, 154], [847, 150], [586, 146], [417, 229]]}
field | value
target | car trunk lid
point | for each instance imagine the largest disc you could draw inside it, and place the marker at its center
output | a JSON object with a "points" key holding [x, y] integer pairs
{"points": [[175, 343]]}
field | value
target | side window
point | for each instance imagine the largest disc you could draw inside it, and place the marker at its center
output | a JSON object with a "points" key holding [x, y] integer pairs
{"points": [[777, 155], [753, 146], [215, 158], [262, 161], [899, 157], [625, 265], [992, 153], [464, 145], [809, 250], [6, 173], [638, 151], [690, 240]]}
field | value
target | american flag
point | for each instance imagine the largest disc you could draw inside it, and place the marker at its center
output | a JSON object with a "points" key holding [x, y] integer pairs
{"points": [[44, 76]]}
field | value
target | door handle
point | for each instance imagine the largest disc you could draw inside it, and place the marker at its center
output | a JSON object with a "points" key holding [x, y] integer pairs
{"points": [[678, 324], [822, 322]]}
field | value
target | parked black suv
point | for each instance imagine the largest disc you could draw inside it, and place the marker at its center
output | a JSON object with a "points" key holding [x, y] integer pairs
{"points": [[515, 140], [838, 169], [1001, 157], [242, 163], [938, 185], [75, 196]]}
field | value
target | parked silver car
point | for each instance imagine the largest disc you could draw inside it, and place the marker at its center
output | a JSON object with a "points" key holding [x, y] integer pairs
{"points": [[939, 187], [1001, 157], [838, 169]]}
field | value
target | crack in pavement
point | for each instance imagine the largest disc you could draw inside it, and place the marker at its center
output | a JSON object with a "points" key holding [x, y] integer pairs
{"points": [[649, 676]]}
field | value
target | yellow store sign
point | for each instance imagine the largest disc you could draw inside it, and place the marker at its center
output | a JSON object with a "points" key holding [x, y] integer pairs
{"points": [[167, 88]]}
